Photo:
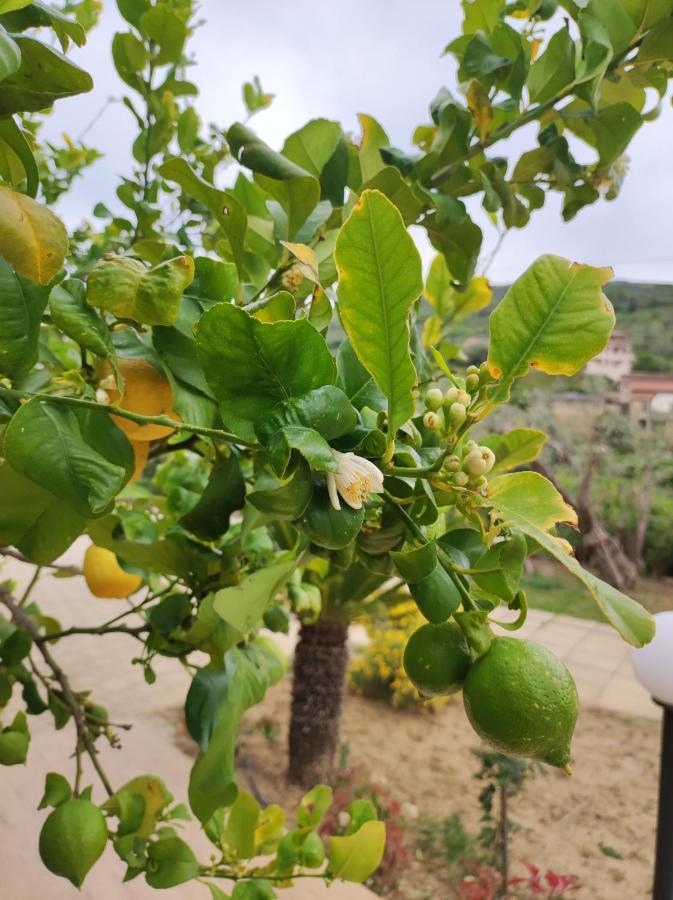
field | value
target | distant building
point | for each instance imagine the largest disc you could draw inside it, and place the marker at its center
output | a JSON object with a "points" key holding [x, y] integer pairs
{"points": [[647, 395], [616, 361]]}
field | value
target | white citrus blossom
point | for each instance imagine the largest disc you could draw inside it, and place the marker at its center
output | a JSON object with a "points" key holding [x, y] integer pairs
{"points": [[356, 479]]}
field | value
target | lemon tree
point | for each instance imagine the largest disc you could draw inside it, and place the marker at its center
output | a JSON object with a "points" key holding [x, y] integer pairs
{"points": [[248, 400]]}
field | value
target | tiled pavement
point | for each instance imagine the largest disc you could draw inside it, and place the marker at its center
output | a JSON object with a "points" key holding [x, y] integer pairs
{"points": [[597, 657]]}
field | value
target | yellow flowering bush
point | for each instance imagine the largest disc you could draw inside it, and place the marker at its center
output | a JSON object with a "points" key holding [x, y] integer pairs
{"points": [[377, 671]]}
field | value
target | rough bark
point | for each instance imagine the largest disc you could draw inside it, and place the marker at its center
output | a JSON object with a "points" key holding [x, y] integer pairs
{"points": [[320, 663]]}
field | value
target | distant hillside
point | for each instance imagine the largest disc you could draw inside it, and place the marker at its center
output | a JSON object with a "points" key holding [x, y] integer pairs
{"points": [[644, 312]]}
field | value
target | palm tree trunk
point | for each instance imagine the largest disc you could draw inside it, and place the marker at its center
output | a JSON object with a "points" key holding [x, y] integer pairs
{"points": [[320, 663]]}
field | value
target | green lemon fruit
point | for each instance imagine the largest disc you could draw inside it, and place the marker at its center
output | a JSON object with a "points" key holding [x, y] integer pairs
{"points": [[72, 839], [437, 659], [522, 700]]}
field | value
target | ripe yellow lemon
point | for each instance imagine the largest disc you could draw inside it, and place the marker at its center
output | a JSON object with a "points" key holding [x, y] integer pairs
{"points": [[104, 576], [147, 391], [141, 450]]}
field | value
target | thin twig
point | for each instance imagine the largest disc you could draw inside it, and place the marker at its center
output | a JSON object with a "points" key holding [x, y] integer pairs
{"points": [[24, 621], [58, 567]]}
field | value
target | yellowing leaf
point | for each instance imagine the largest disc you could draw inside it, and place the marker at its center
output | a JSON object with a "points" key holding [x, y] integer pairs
{"points": [[357, 856], [32, 239], [554, 318], [480, 107], [125, 287], [515, 448], [307, 260], [449, 302], [529, 498]]}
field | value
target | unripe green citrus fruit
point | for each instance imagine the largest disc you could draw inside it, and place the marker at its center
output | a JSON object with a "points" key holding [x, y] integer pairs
{"points": [[522, 700], [72, 839], [437, 658]]}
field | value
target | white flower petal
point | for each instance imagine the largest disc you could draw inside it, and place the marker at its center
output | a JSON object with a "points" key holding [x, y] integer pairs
{"points": [[332, 490]]}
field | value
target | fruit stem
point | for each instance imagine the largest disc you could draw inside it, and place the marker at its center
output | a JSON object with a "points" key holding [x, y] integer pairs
{"points": [[410, 471]]}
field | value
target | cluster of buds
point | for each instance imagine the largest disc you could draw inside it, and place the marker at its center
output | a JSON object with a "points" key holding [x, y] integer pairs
{"points": [[446, 412], [471, 467]]}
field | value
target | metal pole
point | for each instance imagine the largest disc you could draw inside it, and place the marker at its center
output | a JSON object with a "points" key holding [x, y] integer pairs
{"points": [[663, 867]]}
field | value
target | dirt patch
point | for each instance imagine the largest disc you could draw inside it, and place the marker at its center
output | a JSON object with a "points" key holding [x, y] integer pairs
{"points": [[426, 760]]}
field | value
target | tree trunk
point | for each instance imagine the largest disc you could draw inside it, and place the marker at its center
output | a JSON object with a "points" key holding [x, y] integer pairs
{"points": [[320, 663]]}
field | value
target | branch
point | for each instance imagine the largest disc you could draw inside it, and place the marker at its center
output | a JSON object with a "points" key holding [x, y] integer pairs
{"points": [[9, 551], [101, 629], [215, 433], [83, 737]]}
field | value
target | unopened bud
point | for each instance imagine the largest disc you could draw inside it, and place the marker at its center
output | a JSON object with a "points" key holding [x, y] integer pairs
{"points": [[469, 446], [460, 479], [464, 398], [472, 382], [452, 464], [432, 420], [457, 414], [434, 399], [479, 461], [102, 397], [472, 370]]}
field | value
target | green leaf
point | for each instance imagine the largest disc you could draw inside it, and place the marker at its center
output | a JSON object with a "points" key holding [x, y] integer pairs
{"points": [[70, 313], [389, 182], [10, 55], [285, 498], [32, 239], [306, 441], [56, 790], [167, 30], [312, 147], [242, 605], [281, 306], [357, 856], [297, 190], [251, 670], [14, 742], [126, 288], [326, 409], [459, 240], [207, 691], [517, 447], [609, 130], [226, 209], [481, 15], [169, 555], [45, 75], [21, 307], [223, 495], [171, 862], [8, 6], [43, 441], [509, 557], [379, 279], [132, 10], [657, 44], [15, 138], [41, 526], [251, 366], [554, 70], [528, 502], [374, 138], [554, 318], [314, 805], [255, 889], [239, 830]]}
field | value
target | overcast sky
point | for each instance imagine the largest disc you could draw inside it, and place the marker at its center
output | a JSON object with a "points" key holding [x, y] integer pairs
{"points": [[382, 57]]}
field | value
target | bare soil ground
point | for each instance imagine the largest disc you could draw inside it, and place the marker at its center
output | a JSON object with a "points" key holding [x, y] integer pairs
{"points": [[426, 759]]}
